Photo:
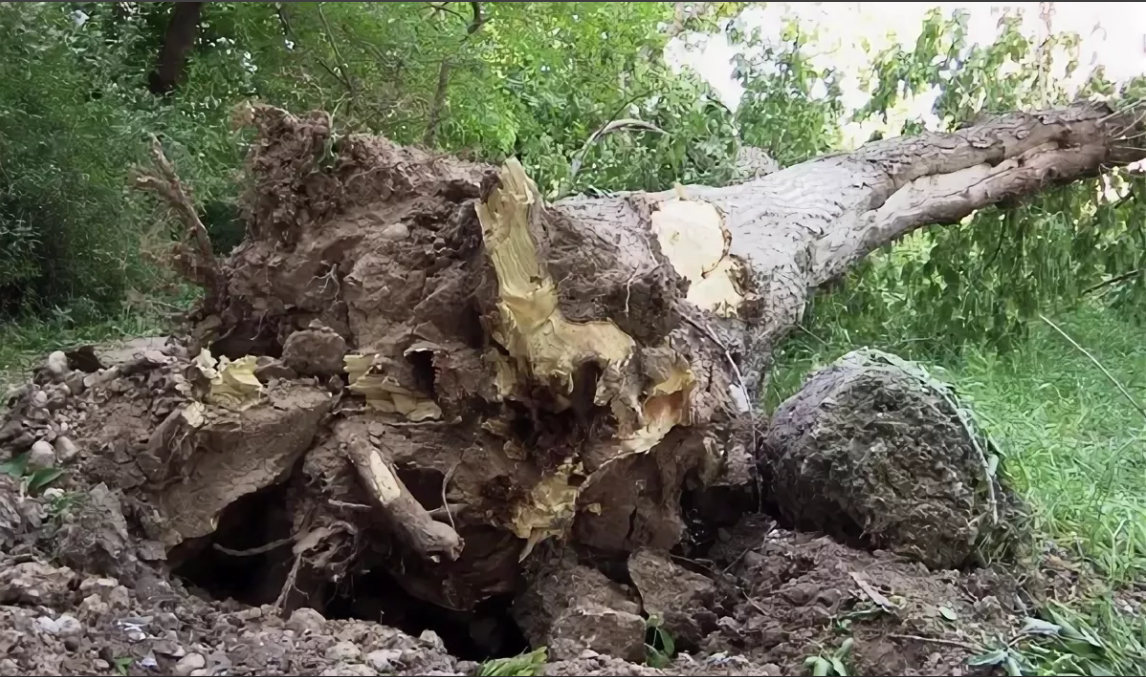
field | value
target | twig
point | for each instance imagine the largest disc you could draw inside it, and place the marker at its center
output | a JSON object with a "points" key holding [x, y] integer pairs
{"points": [[346, 79], [1084, 351], [445, 485], [202, 268], [874, 595], [266, 547], [936, 640], [1114, 280], [356, 507]]}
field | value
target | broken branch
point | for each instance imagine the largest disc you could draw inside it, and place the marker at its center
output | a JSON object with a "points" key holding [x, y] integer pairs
{"points": [[199, 266], [428, 537]]}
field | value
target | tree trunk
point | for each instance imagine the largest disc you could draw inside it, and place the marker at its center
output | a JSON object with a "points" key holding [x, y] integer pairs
{"points": [[447, 377], [521, 371], [177, 42]]}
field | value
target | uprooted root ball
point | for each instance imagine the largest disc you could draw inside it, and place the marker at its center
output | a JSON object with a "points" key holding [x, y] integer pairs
{"points": [[872, 450]]}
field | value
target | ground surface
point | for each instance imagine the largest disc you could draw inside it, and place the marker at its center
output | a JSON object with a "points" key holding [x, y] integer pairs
{"points": [[779, 597]]}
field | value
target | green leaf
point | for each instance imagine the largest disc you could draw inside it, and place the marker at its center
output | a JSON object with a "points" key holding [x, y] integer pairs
{"points": [[43, 477], [16, 466], [821, 667], [997, 657]]}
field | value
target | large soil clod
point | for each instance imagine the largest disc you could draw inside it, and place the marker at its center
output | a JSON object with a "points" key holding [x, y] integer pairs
{"points": [[872, 450]]}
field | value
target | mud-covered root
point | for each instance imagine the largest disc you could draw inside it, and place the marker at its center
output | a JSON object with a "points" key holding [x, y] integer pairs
{"points": [[872, 450]]}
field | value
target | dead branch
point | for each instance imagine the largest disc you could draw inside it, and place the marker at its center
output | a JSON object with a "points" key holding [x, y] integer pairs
{"points": [[428, 537], [197, 264]]}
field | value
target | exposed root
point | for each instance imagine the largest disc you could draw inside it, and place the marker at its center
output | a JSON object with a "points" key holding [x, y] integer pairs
{"points": [[428, 537]]}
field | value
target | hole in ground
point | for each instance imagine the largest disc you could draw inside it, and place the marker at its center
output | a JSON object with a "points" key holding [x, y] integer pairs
{"points": [[486, 632], [257, 578], [213, 565]]}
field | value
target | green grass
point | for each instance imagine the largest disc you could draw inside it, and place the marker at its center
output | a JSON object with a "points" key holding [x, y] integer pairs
{"points": [[1073, 447], [23, 342]]}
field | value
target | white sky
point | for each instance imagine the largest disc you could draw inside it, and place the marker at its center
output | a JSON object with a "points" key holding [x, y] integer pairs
{"points": [[1113, 34]]}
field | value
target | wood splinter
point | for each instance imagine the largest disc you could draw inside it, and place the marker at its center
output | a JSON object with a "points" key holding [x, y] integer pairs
{"points": [[430, 538]]}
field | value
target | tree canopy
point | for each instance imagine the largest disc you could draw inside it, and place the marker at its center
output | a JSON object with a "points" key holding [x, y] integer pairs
{"points": [[533, 81]]}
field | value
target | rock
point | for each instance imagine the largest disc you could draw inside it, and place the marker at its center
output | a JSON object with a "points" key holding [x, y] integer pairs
{"points": [[41, 456], [349, 670], [97, 540], [871, 445], [57, 364], [188, 664], [40, 399], [383, 660], [306, 619], [68, 626], [57, 396], [317, 351], [679, 597], [66, 449], [269, 368], [570, 607], [343, 651], [75, 383], [607, 631]]}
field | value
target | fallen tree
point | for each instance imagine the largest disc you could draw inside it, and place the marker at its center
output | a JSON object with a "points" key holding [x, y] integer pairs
{"points": [[443, 374]]}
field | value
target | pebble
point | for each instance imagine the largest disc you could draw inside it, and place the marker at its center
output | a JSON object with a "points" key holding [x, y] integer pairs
{"points": [[66, 449], [305, 619], [41, 456], [383, 660], [64, 626], [343, 651], [40, 399], [349, 670], [188, 664], [57, 363]]}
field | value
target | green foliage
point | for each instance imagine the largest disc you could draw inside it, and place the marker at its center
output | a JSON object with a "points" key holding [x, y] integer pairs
{"points": [[524, 665], [34, 480], [977, 282], [660, 648]]}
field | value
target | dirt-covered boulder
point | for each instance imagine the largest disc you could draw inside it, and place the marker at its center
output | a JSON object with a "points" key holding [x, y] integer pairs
{"points": [[872, 449]]}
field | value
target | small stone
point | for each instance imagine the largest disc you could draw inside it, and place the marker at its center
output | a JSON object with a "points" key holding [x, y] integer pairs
{"points": [[57, 364], [66, 449], [41, 456], [349, 670], [306, 619], [101, 664], [383, 660], [57, 396], [75, 383], [72, 643], [430, 637], [40, 399], [343, 651], [188, 664], [68, 625]]}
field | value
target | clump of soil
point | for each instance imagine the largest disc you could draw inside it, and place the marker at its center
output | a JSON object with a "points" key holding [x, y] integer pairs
{"points": [[873, 451]]}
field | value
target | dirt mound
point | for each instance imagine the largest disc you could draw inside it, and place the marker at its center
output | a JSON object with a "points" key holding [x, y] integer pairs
{"points": [[873, 450]]}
